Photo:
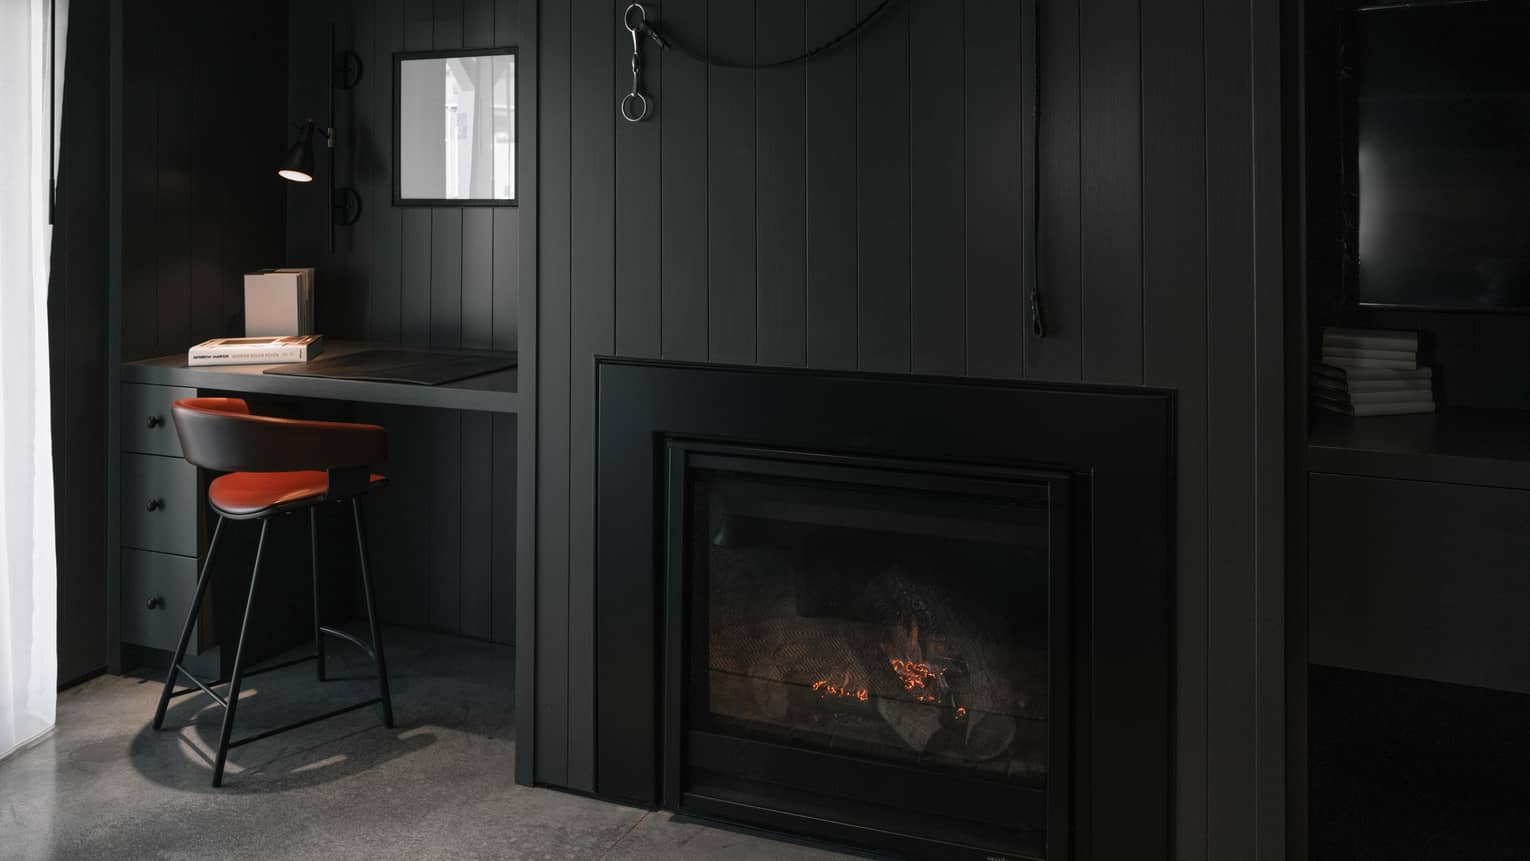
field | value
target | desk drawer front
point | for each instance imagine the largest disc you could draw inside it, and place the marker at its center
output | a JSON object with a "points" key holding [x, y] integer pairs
{"points": [[157, 589], [159, 504], [146, 424]]}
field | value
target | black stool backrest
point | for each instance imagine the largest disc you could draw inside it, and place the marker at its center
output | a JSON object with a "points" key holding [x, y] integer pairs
{"points": [[221, 434]]}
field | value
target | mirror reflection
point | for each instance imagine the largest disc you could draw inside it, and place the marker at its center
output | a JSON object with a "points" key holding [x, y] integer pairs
{"points": [[456, 135]]}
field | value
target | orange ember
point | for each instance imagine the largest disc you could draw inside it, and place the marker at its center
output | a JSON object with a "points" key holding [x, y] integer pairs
{"points": [[823, 686]]}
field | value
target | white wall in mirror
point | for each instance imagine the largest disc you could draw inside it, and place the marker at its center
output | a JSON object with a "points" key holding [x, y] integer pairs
{"points": [[457, 128]]}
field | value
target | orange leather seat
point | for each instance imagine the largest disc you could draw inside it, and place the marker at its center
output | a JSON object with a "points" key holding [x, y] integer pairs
{"points": [[244, 494]]}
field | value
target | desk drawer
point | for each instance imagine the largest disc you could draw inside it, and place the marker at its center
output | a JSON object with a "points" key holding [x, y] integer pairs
{"points": [[157, 589], [146, 424], [159, 504]]}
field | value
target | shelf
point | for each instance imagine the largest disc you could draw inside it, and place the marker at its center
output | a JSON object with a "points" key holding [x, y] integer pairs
{"points": [[1489, 448], [495, 392]]}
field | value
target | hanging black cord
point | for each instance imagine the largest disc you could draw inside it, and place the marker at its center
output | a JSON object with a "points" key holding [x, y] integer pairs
{"points": [[668, 43], [1033, 47]]}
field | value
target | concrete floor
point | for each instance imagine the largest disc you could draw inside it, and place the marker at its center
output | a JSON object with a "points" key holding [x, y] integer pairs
{"points": [[440, 785]]}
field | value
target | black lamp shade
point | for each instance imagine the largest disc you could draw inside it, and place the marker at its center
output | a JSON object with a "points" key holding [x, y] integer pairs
{"points": [[298, 165]]}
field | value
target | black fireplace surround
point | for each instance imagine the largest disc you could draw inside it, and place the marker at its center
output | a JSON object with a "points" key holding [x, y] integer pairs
{"points": [[927, 616]]}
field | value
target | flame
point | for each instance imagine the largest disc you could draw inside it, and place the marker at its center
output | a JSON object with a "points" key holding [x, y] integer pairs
{"points": [[922, 672]]}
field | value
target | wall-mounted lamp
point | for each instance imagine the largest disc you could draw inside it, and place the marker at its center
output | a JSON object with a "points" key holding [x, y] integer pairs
{"points": [[345, 70]]}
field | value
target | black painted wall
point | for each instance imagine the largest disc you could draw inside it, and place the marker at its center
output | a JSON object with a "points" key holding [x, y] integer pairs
{"points": [[422, 276], [869, 211], [201, 115], [77, 323]]}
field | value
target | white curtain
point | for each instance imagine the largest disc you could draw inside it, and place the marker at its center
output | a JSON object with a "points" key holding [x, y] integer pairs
{"points": [[28, 570]]}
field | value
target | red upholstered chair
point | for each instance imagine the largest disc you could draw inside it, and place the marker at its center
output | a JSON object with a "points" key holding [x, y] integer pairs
{"points": [[275, 466]]}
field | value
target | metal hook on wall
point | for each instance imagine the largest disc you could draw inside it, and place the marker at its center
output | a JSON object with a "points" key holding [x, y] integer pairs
{"points": [[635, 105]]}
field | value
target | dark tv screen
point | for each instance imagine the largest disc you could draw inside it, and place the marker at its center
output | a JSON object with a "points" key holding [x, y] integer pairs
{"points": [[1443, 161]]}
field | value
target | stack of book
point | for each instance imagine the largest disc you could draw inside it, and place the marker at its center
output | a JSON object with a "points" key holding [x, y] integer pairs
{"points": [[1369, 372]]}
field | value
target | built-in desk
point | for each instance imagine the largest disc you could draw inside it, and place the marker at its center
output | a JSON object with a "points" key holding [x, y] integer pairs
{"points": [[495, 392], [162, 524]]}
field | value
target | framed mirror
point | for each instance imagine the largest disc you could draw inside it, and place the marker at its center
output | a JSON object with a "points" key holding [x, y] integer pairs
{"points": [[454, 128]]}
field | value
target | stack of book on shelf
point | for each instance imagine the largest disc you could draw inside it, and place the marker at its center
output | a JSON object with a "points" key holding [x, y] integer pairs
{"points": [[1369, 372]]}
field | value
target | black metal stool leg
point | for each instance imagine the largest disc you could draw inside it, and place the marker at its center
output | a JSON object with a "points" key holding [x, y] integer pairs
{"points": [[191, 619], [313, 556], [376, 630], [237, 675]]}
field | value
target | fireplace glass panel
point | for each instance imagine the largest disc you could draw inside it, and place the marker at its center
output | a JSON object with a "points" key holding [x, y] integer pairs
{"points": [[903, 624]]}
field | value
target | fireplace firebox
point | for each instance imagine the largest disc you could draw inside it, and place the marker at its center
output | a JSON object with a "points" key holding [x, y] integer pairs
{"points": [[927, 616], [869, 639]]}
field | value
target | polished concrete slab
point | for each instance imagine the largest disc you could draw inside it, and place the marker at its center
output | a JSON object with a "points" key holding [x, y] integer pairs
{"points": [[439, 785]]}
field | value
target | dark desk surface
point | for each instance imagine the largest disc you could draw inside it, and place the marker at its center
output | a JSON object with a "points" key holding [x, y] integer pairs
{"points": [[493, 393]]}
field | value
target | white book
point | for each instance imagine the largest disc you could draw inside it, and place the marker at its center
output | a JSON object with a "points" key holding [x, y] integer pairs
{"points": [[1348, 362], [255, 351], [273, 304], [1398, 409], [1336, 384], [1394, 397], [1354, 374], [1370, 339], [305, 299], [1360, 353]]}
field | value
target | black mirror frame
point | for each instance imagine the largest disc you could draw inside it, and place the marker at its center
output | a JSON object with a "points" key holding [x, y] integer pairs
{"points": [[398, 120]]}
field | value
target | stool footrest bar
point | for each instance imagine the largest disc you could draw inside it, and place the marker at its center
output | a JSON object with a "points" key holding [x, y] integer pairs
{"points": [[204, 688], [334, 632], [305, 722]]}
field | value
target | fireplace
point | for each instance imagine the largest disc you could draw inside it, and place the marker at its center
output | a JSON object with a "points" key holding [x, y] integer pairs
{"points": [[925, 616]]}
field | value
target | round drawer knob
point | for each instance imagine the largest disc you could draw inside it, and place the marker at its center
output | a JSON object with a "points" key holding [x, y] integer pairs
{"points": [[155, 603], [156, 504], [156, 421]]}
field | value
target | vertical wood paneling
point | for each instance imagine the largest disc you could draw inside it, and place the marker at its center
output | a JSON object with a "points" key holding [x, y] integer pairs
{"points": [[882, 192], [553, 358], [208, 192], [780, 187], [1058, 356], [476, 560], [528, 579], [386, 274], [831, 192], [639, 184], [1271, 29], [730, 185], [1110, 140], [503, 514], [994, 182], [592, 333], [1231, 433], [683, 207], [444, 428], [1175, 354], [443, 286], [477, 312], [140, 112], [937, 184], [506, 279], [175, 186]]}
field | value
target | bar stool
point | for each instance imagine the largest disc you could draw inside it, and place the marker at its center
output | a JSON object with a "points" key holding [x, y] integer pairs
{"points": [[276, 466]]}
